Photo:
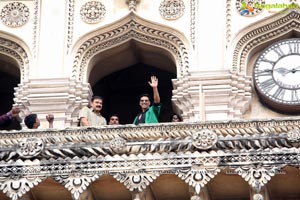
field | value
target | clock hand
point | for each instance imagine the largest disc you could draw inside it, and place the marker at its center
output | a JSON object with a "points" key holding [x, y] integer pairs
{"points": [[282, 71]]}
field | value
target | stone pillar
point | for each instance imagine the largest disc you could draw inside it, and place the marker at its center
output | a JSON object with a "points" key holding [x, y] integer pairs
{"points": [[203, 195], [211, 95], [87, 195], [262, 195], [61, 96]]}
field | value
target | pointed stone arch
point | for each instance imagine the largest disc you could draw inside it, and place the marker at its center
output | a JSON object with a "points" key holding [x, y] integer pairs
{"points": [[131, 27], [262, 32], [16, 50]]}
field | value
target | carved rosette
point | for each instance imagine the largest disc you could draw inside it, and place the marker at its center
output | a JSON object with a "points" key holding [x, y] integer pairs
{"points": [[30, 147], [197, 177], [136, 181], [118, 144], [92, 12], [171, 9], [294, 135], [204, 139], [15, 14]]}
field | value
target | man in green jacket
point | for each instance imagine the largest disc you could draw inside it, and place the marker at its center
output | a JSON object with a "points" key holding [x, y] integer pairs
{"points": [[149, 113]]}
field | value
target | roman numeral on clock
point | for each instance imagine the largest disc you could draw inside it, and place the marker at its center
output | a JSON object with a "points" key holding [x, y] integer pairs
{"points": [[279, 52], [268, 84], [294, 95], [294, 48], [279, 94]]}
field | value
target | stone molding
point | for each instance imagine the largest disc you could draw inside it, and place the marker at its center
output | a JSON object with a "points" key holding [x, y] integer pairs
{"points": [[262, 32], [76, 157], [128, 28], [16, 50], [91, 156], [62, 97], [218, 93]]}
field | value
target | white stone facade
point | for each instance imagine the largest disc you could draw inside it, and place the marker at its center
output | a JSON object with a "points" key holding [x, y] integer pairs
{"points": [[213, 51], [211, 46]]}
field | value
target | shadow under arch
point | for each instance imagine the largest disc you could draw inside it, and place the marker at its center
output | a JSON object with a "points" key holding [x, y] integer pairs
{"points": [[121, 91], [14, 64], [254, 38]]}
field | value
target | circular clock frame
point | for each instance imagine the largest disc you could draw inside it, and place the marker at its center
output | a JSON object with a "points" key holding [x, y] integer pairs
{"points": [[276, 76]]}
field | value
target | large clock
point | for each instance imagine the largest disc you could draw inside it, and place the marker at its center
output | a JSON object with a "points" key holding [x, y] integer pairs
{"points": [[277, 75]]}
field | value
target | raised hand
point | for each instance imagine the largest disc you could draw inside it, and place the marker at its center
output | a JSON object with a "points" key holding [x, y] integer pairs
{"points": [[154, 82], [50, 118]]}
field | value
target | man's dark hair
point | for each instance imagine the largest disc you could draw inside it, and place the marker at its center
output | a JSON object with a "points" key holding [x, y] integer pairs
{"points": [[145, 95], [30, 120], [114, 115], [96, 97]]}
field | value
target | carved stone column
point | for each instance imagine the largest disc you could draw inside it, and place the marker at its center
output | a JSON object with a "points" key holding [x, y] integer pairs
{"points": [[203, 195], [262, 195], [86, 195], [214, 95], [62, 97]]}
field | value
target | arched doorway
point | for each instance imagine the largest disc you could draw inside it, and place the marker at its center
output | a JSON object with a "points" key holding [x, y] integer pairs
{"points": [[121, 91], [9, 79], [121, 74]]}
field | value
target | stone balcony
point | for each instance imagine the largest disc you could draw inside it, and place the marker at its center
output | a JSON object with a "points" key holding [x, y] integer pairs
{"points": [[255, 159]]}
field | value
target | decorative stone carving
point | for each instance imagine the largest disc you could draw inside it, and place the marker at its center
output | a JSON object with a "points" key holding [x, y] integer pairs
{"points": [[136, 181], [92, 12], [15, 14], [264, 31], [70, 23], [76, 183], [204, 139], [132, 4], [30, 147], [15, 188], [118, 144], [171, 9], [257, 177], [197, 177], [293, 135], [135, 28], [258, 197]]}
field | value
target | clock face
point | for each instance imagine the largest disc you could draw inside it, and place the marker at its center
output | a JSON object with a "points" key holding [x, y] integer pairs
{"points": [[277, 73]]}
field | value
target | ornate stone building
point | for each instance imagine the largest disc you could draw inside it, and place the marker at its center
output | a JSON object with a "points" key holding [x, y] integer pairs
{"points": [[230, 68]]}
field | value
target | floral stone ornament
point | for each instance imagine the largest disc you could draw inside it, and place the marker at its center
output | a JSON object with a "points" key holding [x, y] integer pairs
{"points": [[92, 12], [171, 9], [15, 14]]}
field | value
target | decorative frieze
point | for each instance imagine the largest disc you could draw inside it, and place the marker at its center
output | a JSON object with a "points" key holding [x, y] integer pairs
{"points": [[138, 155]]}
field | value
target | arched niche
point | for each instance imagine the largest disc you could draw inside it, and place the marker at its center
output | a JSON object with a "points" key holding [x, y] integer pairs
{"points": [[130, 42], [122, 73], [255, 37], [128, 29], [14, 64]]}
